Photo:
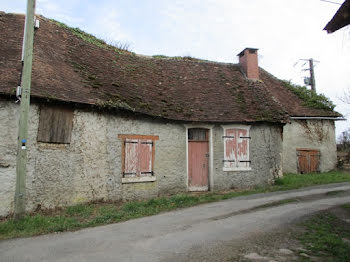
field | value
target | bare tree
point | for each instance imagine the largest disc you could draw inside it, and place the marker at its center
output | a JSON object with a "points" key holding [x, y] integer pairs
{"points": [[346, 96], [344, 140]]}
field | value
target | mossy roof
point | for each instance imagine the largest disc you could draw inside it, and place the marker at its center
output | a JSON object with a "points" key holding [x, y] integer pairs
{"points": [[72, 66]]}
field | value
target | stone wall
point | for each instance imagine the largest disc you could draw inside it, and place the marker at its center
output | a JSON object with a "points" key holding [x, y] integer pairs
{"points": [[265, 155], [8, 150], [311, 134], [89, 168]]}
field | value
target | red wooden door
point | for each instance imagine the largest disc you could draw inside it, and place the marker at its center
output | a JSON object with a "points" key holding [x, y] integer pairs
{"points": [[198, 160]]}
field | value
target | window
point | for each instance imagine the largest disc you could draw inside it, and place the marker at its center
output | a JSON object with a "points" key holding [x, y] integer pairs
{"points": [[236, 148], [197, 134], [55, 124], [138, 158]]}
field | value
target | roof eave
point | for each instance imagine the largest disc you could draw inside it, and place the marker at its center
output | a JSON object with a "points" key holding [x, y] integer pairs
{"points": [[340, 19], [335, 118]]}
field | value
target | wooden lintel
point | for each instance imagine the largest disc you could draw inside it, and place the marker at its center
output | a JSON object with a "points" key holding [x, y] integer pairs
{"points": [[145, 137]]}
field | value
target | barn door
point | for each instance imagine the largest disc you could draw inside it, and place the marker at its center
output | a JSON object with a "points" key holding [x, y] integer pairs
{"points": [[198, 159], [308, 160]]}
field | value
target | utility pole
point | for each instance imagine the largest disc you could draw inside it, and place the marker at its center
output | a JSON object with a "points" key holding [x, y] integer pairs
{"points": [[20, 195], [310, 81], [312, 75]]}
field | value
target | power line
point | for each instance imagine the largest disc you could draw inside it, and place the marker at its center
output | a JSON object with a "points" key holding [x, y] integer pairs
{"points": [[331, 2]]}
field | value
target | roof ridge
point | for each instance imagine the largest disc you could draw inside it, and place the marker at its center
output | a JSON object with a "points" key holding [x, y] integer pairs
{"points": [[185, 58]]}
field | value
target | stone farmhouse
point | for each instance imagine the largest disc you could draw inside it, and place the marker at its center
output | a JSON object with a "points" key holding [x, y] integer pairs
{"points": [[107, 124]]}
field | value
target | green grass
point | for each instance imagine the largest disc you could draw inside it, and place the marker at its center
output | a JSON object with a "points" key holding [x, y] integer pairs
{"points": [[294, 181], [94, 214], [323, 237]]}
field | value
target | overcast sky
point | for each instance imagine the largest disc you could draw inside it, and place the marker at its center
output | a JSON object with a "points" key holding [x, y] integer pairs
{"points": [[283, 30]]}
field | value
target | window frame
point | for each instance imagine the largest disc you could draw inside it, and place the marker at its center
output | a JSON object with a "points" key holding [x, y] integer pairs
{"points": [[236, 168], [137, 178]]}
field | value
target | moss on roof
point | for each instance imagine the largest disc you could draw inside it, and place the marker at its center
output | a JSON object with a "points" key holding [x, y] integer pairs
{"points": [[89, 37], [310, 98], [73, 66]]}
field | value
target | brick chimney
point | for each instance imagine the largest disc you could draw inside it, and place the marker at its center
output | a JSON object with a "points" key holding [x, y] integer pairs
{"points": [[248, 59]]}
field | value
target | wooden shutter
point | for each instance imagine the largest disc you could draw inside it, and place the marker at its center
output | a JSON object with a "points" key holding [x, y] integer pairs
{"points": [[145, 157], [243, 148], [230, 156], [131, 157], [236, 155], [55, 124], [138, 155]]}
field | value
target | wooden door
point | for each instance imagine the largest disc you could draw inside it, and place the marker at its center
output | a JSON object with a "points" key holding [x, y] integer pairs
{"points": [[308, 160], [198, 159], [303, 166], [314, 161]]}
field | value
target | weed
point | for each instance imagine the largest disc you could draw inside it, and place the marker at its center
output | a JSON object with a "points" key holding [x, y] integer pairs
{"points": [[160, 56], [79, 210], [279, 181], [323, 237], [117, 47]]}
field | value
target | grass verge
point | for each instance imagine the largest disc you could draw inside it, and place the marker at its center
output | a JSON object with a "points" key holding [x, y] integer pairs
{"points": [[295, 181], [326, 237], [94, 214]]}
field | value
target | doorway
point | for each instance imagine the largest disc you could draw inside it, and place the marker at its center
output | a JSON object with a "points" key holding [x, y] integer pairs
{"points": [[198, 159], [308, 160]]}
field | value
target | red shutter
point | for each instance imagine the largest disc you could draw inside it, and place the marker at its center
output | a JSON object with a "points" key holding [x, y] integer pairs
{"points": [[242, 148], [145, 157], [230, 157], [131, 157]]}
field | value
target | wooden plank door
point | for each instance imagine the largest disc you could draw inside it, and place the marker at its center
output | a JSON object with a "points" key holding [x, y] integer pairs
{"points": [[308, 160], [198, 160], [314, 160], [302, 161]]}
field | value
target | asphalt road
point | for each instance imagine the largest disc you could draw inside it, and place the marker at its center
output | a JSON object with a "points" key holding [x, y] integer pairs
{"points": [[170, 236]]}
